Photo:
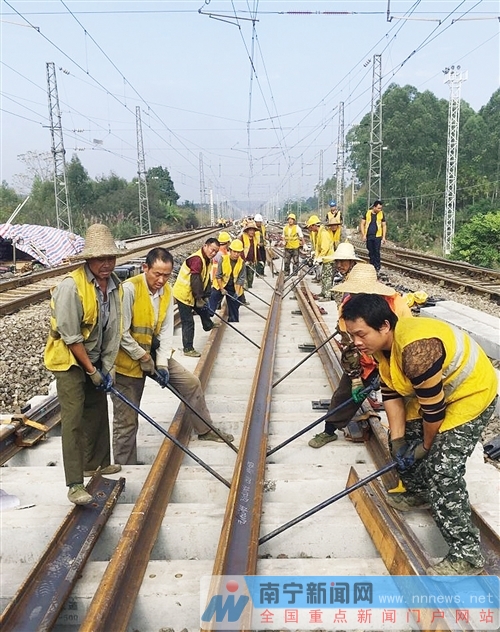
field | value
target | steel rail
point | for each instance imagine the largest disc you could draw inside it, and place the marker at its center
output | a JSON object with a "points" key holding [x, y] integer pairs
{"points": [[238, 544], [10, 301], [114, 601], [42, 595]]}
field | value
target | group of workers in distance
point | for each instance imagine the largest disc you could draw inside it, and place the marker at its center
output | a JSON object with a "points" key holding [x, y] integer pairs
{"points": [[438, 387]]}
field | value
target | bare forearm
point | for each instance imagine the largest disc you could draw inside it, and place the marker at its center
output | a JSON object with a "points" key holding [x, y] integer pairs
{"points": [[80, 353]]}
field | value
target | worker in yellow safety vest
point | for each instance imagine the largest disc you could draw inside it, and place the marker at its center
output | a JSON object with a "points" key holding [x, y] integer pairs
{"points": [[293, 240]]}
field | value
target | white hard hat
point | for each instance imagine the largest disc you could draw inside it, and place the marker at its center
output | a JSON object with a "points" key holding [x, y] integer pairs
{"points": [[258, 218]]}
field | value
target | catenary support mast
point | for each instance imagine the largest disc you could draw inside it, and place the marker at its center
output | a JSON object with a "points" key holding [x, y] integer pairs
{"points": [[375, 166], [63, 211], [339, 177], [142, 183], [453, 77]]}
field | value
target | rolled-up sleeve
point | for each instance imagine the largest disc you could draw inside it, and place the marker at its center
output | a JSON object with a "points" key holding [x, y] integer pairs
{"points": [[128, 343], [68, 311]]}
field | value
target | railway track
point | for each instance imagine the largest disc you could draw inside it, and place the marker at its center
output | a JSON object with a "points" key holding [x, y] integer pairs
{"points": [[455, 274], [25, 290], [174, 523]]}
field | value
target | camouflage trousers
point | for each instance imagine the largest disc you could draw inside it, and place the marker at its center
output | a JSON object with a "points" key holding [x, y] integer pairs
{"points": [[439, 479], [327, 278], [291, 256]]}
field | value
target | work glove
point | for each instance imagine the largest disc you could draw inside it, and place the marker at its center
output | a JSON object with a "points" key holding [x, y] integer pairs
{"points": [[223, 291], [97, 378], [350, 361], [409, 454], [201, 303], [101, 381], [357, 389], [147, 366], [310, 262], [317, 261], [163, 376]]}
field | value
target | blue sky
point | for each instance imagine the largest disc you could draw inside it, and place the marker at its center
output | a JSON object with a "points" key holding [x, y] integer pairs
{"points": [[190, 72]]}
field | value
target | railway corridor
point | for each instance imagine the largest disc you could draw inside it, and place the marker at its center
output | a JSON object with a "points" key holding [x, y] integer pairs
{"points": [[334, 541]]}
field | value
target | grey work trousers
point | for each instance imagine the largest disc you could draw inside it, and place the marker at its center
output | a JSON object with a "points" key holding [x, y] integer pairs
{"points": [[125, 419], [84, 424]]}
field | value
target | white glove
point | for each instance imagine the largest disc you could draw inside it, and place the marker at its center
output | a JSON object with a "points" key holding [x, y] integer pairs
{"points": [[317, 261]]}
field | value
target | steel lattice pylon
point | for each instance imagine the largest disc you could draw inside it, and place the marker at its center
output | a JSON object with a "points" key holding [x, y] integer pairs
{"points": [[203, 191], [375, 166], [454, 78], [63, 211], [339, 177], [142, 183]]}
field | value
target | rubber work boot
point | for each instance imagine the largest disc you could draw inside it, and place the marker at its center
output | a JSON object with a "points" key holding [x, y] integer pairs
{"points": [[79, 495], [321, 439], [109, 469], [192, 353], [406, 501], [211, 436], [454, 567]]}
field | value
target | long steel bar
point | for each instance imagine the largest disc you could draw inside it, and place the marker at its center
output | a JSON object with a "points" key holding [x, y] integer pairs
{"points": [[115, 598], [169, 436], [257, 296], [328, 502], [42, 595], [237, 330], [238, 544]]}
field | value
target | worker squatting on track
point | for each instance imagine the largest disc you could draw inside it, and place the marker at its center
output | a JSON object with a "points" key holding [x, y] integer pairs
{"points": [[439, 391], [229, 281], [83, 343]]}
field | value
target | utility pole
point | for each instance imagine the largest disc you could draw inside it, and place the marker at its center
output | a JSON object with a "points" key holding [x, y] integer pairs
{"points": [[320, 183], [375, 168], [63, 211], [212, 214], [339, 176], [454, 77], [203, 199], [142, 183]]}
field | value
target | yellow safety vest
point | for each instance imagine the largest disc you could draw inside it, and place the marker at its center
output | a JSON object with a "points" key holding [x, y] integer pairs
{"points": [[368, 218], [57, 355], [228, 271], [247, 244], [142, 328], [290, 234], [469, 379], [336, 216], [324, 245], [182, 286]]}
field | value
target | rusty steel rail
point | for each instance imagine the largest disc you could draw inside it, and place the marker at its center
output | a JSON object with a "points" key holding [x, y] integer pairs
{"points": [[114, 601], [42, 595], [13, 298], [238, 544]]}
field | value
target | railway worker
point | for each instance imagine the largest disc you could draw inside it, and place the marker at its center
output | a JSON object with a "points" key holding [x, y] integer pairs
{"points": [[293, 240], [359, 369], [83, 342], [224, 239], [262, 242], [334, 223], [323, 256], [191, 291], [439, 391], [345, 258], [147, 346], [250, 239], [229, 282], [314, 224], [373, 228]]}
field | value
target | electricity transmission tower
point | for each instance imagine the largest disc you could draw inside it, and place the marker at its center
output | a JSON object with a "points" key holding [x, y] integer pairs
{"points": [[203, 193], [454, 77], [142, 183], [63, 211], [339, 176], [375, 166], [320, 183]]}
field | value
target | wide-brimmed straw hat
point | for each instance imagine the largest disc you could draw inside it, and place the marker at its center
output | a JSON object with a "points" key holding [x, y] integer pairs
{"points": [[345, 252], [99, 242], [362, 279], [251, 225]]}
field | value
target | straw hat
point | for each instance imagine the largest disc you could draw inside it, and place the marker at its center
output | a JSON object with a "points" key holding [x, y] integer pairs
{"points": [[362, 279], [251, 225], [345, 252], [99, 242]]}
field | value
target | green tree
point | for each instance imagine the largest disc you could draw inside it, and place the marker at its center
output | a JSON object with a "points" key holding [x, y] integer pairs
{"points": [[9, 200], [478, 242], [80, 189]]}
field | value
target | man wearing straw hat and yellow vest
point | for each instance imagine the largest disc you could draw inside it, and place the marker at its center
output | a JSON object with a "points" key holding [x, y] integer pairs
{"points": [[147, 346], [439, 390], [84, 339], [360, 369]]}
